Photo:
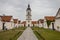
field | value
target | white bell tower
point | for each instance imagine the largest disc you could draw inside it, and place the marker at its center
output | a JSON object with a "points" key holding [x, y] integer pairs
{"points": [[28, 16]]}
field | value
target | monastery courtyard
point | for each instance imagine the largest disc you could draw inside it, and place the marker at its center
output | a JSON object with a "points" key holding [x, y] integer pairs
{"points": [[27, 33], [29, 19]]}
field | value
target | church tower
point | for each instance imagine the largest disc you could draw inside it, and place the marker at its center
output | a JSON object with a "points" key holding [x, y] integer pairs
{"points": [[28, 16]]}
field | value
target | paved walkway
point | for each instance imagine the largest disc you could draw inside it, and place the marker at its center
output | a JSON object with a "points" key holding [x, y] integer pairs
{"points": [[28, 35]]}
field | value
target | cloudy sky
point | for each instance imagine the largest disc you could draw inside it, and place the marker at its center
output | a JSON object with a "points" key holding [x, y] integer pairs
{"points": [[40, 8]]}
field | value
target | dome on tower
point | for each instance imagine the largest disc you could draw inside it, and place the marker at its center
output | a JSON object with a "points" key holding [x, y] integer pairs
{"points": [[28, 7]]}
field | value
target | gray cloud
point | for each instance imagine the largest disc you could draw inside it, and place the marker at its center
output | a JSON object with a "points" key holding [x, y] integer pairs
{"points": [[40, 8]]}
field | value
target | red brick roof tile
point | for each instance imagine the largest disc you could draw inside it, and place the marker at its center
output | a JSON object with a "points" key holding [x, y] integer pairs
{"points": [[34, 22], [24, 22], [41, 20], [15, 20], [6, 18], [51, 18]]}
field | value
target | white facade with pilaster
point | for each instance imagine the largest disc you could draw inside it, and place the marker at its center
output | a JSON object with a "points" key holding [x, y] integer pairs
{"points": [[57, 21], [28, 16]]}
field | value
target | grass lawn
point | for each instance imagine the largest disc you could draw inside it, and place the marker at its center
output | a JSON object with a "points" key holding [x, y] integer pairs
{"points": [[12, 34], [46, 34]]}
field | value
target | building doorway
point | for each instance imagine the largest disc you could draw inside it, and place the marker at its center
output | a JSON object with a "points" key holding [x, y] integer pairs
{"points": [[53, 26], [28, 25], [3, 26]]}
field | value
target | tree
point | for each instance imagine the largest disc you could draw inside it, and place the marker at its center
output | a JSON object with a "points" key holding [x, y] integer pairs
{"points": [[48, 23]]}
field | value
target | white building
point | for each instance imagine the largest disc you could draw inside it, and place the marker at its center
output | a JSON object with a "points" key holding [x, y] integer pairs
{"points": [[6, 22], [29, 22], [19, 23], [15, 22], [34, 23], [1, 26], [23, 24], [57, 20], [45, 24], [28, 16], [51, 20], [41, 22]]}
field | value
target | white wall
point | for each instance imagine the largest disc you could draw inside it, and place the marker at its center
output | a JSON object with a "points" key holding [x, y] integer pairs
{"points": [[51, 27], [40, 25], [9, 25], [16, 25], [28, 23], [45, 24], [19, 25], [22, 25], [1, 25], [57, 24]]}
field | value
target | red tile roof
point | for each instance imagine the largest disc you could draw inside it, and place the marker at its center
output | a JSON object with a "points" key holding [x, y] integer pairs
{"points": [[34, 22], [6, 18], [41, 20], [51, 18], [24, 22], [15, 20]]}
